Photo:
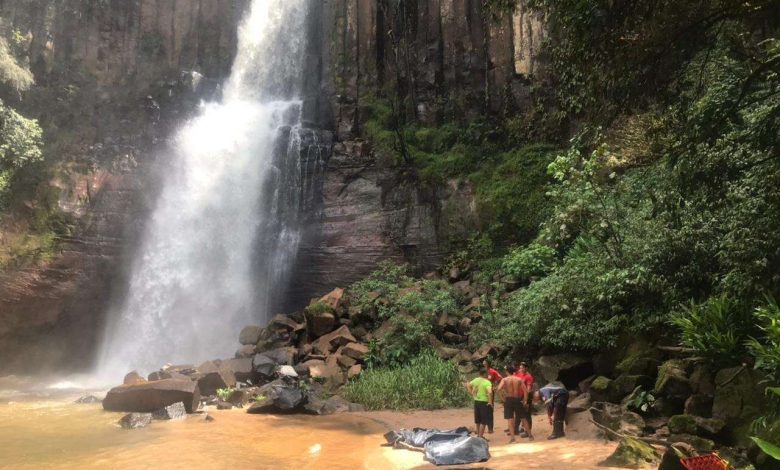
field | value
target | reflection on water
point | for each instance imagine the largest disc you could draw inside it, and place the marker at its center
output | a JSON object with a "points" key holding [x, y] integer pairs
{"points": [[56, 433]]}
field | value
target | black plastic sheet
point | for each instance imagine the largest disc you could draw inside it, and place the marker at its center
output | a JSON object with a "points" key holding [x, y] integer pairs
{"points": [[448, 447]]}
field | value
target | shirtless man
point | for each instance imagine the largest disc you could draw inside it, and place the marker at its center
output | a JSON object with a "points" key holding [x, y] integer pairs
{"points": [[515, 395]]}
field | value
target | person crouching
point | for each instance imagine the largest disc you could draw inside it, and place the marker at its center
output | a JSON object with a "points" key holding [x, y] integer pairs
{"points": [[482, 390], [556, 398]]}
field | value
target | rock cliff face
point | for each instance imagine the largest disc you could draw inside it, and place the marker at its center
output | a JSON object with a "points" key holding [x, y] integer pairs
{"points": [[115, 77]]}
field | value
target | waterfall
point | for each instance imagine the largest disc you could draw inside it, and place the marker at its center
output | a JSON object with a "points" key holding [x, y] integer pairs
{"points": [[225, 230]]}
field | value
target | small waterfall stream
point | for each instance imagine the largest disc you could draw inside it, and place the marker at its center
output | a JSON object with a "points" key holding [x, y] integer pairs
{"points": [[222, 239]]}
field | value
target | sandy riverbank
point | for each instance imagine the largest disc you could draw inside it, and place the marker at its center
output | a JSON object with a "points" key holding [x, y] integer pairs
{"points": [[581, 449]]}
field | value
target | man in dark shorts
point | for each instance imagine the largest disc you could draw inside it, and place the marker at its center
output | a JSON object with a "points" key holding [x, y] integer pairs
{"points": [[515, 398], [482, 390], [495, 378], [556, 399], [525, 375]]}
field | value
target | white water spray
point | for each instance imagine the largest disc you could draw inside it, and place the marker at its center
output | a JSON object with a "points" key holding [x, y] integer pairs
{"points": [[220, 239]]}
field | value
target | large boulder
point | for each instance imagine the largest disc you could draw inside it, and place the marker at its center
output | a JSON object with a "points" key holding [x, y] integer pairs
{"points": [[135, 420], [247, 350], [699, 405], [616, 418], [356, 351], [241, 368], [151, 396], [600, 388], [625, 384], [689, 424], [631, 453], [282, 356], [328, 343], [484, 352], [672, 382], [283, 322], [319, 323], [264, 366], [334, 404], [568, 369], [278, 397], [212, 377], [701, 444], [250, 335], [739, 399], [333, 299]]}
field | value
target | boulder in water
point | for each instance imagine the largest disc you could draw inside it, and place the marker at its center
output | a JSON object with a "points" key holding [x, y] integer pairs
{"points": [[135, 420], [213, 377], [264, 365], [151, 396], [175, 411], [278, 397], [87, 400]]}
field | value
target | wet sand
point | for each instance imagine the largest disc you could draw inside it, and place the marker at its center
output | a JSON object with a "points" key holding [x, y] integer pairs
{"points": [[582, 448]]}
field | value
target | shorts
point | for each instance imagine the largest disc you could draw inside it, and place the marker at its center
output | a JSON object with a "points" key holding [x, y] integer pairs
{"points": [[483, 414], [514, 408]]}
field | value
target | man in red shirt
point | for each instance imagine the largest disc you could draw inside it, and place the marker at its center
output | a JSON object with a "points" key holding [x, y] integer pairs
{"points": [[495, 378], [524, 375]]}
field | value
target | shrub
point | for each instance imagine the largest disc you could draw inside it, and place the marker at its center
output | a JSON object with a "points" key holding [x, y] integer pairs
{"points": [[717, 329], [532, 260], [224, 393], [428, 382], [766, 348]]}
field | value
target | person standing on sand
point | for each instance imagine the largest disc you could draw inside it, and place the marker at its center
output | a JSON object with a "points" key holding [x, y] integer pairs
{"points": [[556, 399], [495, 378], [515, 397], [523, 374], [482, 390]]}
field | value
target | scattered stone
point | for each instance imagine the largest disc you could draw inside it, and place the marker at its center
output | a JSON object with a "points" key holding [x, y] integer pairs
{"points": [[464, 288], [333, 298], [579, 404], [150, 396], [135, 420], [345, 361], [702, 382], [625, 384], [133, 378], [354, 371], [320, 323], [247, 350], [446, 353], [175, 411], [241, 368], [250, 335], [207, 418], [356, 351], [453, 338], [330, 374], [87, 400], [688, 424], [286, 323], [334, 404], [282, 356], [224, 405], [740, 397], [278, 397], [631, 453], [287, 371], [328, 343], [239, 398], [618, 419]]}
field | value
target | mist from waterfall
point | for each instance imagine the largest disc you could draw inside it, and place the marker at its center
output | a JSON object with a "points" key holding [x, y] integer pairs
{"points": [[223, 235]]}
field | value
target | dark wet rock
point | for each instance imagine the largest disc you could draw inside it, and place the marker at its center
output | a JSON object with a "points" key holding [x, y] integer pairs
{"points": [[212, 377], [175, 411], [135, 420], [699, 405], [133, 378], [283, 322], [334, 404], [701, 380], [239, 398], [320, 323], [738, 396], [87, 400], [631, 453], [250, 335], [224, 405], [624, 384], [264, 365], [670, 461], [283, 356], [278, 397], [569, 369], [207, 418], [150, 396]]}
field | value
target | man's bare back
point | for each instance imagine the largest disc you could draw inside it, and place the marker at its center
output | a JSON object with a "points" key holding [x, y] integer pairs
{"points": [[513, 387]]}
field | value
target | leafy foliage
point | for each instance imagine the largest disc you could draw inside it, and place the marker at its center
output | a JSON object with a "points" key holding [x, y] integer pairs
{"points": [[224, 393], [530, 261], [717, 329], [642, 402], [427, 382], [766, 348]]}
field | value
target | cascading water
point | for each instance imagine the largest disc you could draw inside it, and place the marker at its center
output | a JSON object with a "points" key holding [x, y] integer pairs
{"points": [[225, 230]]}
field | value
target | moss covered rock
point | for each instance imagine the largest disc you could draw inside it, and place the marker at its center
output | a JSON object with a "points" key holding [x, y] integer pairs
{"points": [[631, 453], [672, 381], [701, 444], [599, 388], [739, 399], [624, 384], [682, 424], [688, 424]]}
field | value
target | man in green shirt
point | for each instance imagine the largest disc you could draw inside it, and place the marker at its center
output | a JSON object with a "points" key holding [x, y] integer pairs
{"points": [[482, 390]]}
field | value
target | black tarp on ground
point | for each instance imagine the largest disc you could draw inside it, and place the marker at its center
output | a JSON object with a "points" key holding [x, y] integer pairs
{"points": [[449, 447]]}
